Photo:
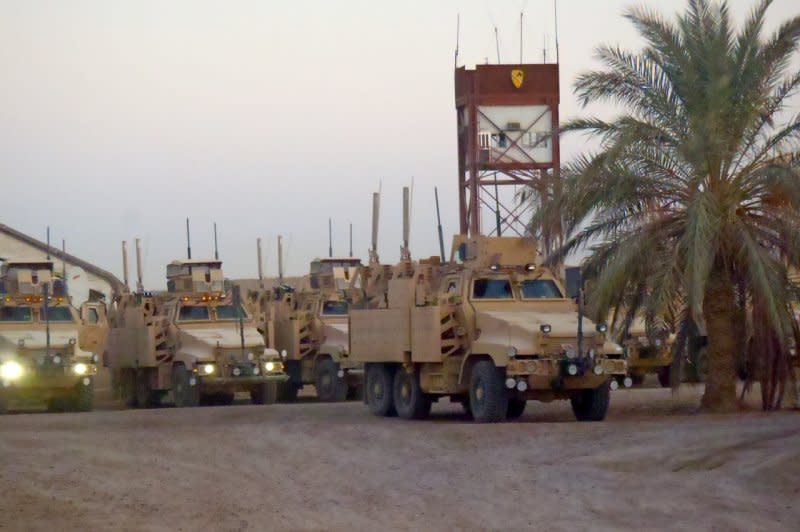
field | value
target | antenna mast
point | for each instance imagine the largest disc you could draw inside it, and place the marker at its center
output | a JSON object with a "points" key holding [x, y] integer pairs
{"points": [[497, 44], [439, 223], [260, 264], [458, 28], [125, 264], [555, 15], [330, 238], [280, 258], [188, 241], [216, 249], [64, 265], [405, 253], [351, 240], [139, 285]]}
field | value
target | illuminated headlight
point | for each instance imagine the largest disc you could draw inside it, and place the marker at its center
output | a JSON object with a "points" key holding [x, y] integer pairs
{"points": [[494, 267], [627, 382], [511, 351], [601, 327], [572, 369], [614, 385], [256, 371], [72, 341], [522, 386], [10, 370], [208, 369], [545, 328], [236, 372], [598, 370], [56, 359], [80, 368], [530, 267], [510, 383], [283, 353], [269, 366], [250, 356]]}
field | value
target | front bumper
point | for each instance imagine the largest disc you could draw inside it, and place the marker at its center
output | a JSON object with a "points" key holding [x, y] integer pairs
{"points": [[47, 381], [565, 373], [643, 359]]}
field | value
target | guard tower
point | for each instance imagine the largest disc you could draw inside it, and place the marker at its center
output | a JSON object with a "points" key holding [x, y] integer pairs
{"points": [[507, 116]]}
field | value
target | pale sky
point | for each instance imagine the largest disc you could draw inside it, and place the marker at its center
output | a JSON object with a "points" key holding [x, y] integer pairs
{"points": [[120, 119]]}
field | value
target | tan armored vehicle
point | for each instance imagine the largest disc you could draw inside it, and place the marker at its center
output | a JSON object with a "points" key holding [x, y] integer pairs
{"points": [[309, 327], [40, 340], [643, 355], [492, 330], [195, 342]]}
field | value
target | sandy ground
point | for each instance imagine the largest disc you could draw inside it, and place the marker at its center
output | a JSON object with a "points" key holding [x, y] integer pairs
{"points": [[653, 464]]}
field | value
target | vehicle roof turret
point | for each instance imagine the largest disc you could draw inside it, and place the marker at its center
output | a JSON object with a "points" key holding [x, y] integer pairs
{"points": [[488, 252], [195, 275]]}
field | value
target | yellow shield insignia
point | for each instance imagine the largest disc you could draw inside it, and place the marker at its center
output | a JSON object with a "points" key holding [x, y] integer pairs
{"points": [[517, 77]]}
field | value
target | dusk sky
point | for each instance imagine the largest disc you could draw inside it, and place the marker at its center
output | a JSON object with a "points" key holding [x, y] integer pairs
{"points": [[120, 119]]}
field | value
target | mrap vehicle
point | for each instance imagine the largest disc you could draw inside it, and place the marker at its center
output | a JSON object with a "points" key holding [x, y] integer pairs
{"points": [[491, 330], [41, 358], [195, 342]]}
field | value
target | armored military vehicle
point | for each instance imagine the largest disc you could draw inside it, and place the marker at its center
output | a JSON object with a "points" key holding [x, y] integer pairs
{"points": [[195, 342], [308, 325], [645, 355], [40, 340], [492, 329]]}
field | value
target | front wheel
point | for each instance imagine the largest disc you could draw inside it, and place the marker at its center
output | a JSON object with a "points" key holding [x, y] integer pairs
{"points": [[330, 387], [185, 388], [264, 394], [409, 399], [488, 397], [83, 395], [379, 384], [516, 407], [591, 405]]}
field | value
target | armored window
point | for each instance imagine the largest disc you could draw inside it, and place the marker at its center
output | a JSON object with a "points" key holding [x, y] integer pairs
{"points": [[229, 312], [193, 312], [58, 314], [540, 289], [334, 308], [15, 314], [492, 289]]}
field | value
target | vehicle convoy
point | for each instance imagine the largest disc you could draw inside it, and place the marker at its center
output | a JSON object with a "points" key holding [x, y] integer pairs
{"points": [[308, 325], [491, 330], [41, 336], [195, 342]]}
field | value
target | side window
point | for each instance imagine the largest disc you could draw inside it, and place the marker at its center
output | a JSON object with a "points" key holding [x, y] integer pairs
{"points": [[92, 316]]}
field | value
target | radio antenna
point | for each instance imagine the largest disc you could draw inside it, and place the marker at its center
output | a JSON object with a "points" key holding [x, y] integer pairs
{"points": [[497, 44], [330, 238], [216, 249], [188, 241], [555, 16], [458, 28]]}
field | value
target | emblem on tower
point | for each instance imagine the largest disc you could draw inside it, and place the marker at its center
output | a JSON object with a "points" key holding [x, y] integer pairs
{"points": [[517, 77]]}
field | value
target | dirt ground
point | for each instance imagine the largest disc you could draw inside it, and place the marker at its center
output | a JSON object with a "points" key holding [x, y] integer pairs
{"points": [[653, 464]]}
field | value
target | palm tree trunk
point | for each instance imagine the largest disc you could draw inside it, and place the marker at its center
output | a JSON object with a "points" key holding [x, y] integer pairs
{"points": [[719, 311]]}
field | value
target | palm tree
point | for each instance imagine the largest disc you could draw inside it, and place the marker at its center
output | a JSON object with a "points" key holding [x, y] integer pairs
{"points": [[692, 197]]}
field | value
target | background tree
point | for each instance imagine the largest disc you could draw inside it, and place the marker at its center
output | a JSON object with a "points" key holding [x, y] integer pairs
{"points": [[693, 195]]}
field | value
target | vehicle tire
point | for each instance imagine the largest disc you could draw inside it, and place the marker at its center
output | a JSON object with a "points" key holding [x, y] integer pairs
{"points": [[379, 389], [330, 387], [144, 392], [82, 399], [488, 397], [225, 398], [591, 405], [127, 387], [183, 393], [665, 376], [409, 399], [287, 392], [516, 407], [265, 393]]}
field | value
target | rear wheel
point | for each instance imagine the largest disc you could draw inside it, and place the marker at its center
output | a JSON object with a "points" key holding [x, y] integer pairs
{"points": [[265, 393], [488, 398], [516, 406], [409, 399], [145, 398], [82, 398], [379, 384], [185, 393], [591, 405], [330, 387]]}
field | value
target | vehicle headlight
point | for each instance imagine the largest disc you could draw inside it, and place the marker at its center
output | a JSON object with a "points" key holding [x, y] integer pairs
{"points": [[658, 342], [208, 369], [56, 359], [80, 368], [269, 366], [10, 370], [598, 370], [545, 328], [601, 327], [283, 353], [72, 341], [256, 371], [250, 356], [511, 351], [572, 369]]}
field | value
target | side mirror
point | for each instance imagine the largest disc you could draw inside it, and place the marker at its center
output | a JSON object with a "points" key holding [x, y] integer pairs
{"points": [[572, 281]]}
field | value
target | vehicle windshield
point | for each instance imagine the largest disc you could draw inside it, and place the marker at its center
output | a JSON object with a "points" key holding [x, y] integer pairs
{"points": [[492, 289], [334, 308], [58, 314], [540, 289], [229, 312], [193, 313], [15, 314]]}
